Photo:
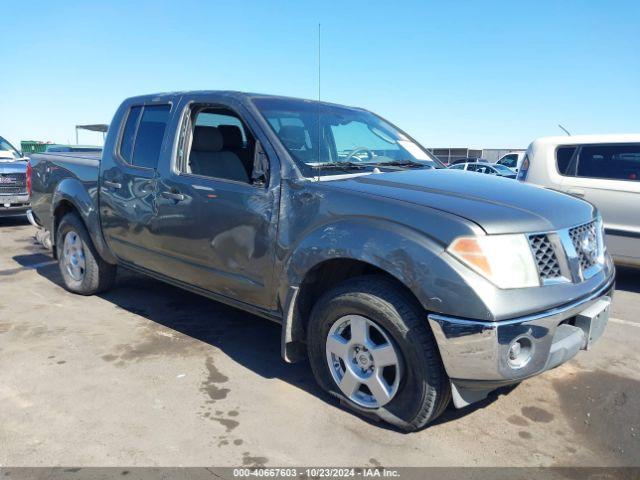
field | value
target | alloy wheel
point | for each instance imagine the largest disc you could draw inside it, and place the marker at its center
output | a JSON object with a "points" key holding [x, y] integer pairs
{"points": [[363, 361], [73, 254]]}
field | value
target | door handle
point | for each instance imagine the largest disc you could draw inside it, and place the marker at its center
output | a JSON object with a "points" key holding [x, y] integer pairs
{"points": [[577, 192], [178, 197], [109, 184]]}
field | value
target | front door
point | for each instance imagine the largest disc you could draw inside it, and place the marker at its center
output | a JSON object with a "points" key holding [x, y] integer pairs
{"points": [[216, 220]]}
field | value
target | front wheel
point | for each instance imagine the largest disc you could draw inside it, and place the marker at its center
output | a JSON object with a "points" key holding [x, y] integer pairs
{"points": [[369, 344], [83, 270]]}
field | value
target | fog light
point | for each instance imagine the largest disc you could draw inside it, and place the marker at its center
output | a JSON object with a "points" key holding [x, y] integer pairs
{"points": [[520, 352], [514, 351]]}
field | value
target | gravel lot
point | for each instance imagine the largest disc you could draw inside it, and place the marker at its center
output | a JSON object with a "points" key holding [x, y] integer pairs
{"points": [[148, 374]]}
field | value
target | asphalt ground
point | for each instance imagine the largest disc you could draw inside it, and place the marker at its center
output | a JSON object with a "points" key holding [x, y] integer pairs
{"points": [[150, 375]]}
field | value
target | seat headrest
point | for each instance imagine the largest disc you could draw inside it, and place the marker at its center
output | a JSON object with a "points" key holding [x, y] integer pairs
{"points": [[292, 136], [231, 136], [206, 139]]}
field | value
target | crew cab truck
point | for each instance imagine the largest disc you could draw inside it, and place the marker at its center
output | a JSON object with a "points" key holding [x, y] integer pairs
{"points": [[403, 282]]}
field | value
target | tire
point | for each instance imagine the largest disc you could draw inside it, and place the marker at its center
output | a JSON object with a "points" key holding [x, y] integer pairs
{"points": [[393, 318], [83, 270]]}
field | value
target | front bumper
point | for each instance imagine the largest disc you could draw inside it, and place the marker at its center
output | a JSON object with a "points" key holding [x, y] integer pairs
{"points": [[11, 205], [476, 353]]}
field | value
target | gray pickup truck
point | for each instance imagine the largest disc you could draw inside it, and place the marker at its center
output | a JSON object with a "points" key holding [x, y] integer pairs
{"points": [[404, 283]]}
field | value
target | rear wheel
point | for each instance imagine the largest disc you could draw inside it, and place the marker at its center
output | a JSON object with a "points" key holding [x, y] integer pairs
{"points": [[369, 344], [83, 270]]}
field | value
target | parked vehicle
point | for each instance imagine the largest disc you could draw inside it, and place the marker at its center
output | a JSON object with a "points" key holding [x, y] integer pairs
{"points": [[602, 169], [469, 160], [14, 184], [488, 168], [404, 283], [512, 160]]}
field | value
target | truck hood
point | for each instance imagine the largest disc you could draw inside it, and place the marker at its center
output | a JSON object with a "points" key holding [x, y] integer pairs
{"points": [[7, 156], [16, 166], [498, 205]]}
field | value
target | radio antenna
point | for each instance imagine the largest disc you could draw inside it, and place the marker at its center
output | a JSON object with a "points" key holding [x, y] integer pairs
{"points": [[564, 129], [319, 91]]}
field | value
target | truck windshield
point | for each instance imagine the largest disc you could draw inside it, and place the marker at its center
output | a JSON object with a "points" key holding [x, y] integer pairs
{"points": [[332, 138], [503, 170], [7, 151]]}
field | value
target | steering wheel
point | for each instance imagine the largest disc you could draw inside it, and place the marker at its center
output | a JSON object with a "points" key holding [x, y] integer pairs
{"points": [[358, 150]]}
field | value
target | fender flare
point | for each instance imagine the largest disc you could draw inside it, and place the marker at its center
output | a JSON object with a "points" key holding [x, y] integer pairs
{"points": [[73, 191], [411, 257]]}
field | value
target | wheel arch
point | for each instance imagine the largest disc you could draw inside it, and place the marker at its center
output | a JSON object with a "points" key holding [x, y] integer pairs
{"points": [[71, 195], [365, 247]]}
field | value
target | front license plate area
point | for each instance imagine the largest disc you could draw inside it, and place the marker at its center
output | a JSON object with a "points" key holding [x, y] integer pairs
{"points": [[8, 201], [593, 320]]}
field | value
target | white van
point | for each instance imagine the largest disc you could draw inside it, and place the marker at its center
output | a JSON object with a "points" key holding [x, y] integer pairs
{"points": [[602, 169]]}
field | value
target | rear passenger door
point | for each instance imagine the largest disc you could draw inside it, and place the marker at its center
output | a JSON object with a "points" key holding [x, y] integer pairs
{"points": [[609, 177], [128, 183]]}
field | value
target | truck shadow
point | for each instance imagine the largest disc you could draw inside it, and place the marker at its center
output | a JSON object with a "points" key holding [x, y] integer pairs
{"points": [[251, 341], [628, 279], [6, 222]]}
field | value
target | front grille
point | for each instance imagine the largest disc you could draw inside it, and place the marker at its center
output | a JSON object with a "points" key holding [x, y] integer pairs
{"points": [[13, 179], [12, 183], [585, 241], [545, 255]]}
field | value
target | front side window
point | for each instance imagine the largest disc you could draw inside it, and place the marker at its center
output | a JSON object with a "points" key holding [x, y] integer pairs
{"points": [[510, 161], [220, 146], [335, 138], [615, 162]]}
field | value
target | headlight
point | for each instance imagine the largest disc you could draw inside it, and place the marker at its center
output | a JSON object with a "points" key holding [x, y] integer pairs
{"points": [[505, 260]]}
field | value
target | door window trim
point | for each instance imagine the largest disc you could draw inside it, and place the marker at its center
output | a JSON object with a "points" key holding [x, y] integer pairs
{"points": [[123, 124]]}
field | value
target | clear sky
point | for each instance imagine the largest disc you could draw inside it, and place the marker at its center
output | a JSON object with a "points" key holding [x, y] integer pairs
{"points": [[478, 73]]}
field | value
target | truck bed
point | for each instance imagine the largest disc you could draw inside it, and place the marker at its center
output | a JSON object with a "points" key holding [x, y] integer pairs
{"points": [[49, 169]]}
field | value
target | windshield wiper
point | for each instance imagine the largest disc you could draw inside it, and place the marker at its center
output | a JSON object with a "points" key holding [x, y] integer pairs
{"points": [[341, 166], [401, 163]]}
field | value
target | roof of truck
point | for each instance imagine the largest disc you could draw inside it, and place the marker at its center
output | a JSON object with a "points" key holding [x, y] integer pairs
{"points": [[587, 139], [232, 94]]}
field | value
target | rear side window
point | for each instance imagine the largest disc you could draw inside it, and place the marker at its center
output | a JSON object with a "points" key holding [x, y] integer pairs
{"points": [[143, 134], [146, 149], [129, 134], [615, 162], [563, 160]]}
